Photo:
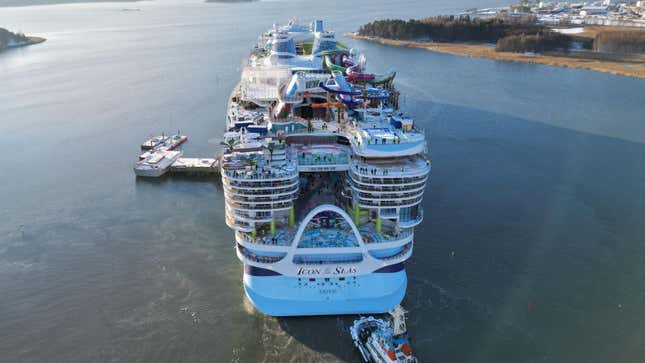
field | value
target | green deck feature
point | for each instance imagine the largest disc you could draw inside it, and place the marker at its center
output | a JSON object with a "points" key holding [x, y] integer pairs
{"points": [[333, 67], [307, 48]]}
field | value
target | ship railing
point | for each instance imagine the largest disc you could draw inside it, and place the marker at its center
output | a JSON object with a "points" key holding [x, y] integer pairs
{"points": [[278, 204], [390, 188], [233, 222], [370, 237], [402, 253], [411, 222], [282, 238], [242, 186], [259, 199], [369, 170], [402, 194], [260, 215], [388, 203], [394, 137], [323, 160], [327, 259], [258, 258], [380, 180], [269, 173], [257, 213]]}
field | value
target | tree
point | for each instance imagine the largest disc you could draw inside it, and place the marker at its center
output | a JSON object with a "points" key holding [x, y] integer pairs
{"points": [[248, 160], [230, 145]]}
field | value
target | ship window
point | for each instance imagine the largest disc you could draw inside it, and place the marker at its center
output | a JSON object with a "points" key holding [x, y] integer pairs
{"points": [[341, 279], [312, 279]]}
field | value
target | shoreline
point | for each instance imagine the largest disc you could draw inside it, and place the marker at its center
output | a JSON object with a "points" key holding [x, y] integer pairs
{"points": [[624, 65], [26, 3]]}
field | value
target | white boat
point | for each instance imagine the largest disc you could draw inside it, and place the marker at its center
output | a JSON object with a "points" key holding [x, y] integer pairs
{"points": [[168, 143], [153, 142], [157, 164], [380, 340]]}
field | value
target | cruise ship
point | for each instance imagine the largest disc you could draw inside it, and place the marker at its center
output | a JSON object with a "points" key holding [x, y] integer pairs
{"points": [[323, 177]]}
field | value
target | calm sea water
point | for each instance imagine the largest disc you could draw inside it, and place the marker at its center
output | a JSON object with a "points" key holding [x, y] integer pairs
{"points": [[532, 250]]}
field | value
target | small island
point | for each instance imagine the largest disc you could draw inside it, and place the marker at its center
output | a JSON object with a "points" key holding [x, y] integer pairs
{"points": [[12, 40], [616, 50]]}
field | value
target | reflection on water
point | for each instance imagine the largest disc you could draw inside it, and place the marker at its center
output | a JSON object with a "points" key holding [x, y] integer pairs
{"points": [[529, 248]]}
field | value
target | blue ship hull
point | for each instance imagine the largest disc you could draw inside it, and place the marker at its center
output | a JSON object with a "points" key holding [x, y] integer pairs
{"points": [[278, 295]]}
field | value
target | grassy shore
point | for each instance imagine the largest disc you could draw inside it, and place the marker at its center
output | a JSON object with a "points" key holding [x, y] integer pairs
{"points": [[626, 65]]}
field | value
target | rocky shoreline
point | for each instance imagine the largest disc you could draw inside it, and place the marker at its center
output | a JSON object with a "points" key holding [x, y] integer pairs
{"points": [[31, 41]]}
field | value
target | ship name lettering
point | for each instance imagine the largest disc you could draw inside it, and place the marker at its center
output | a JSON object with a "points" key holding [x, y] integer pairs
{"points": [[345, 270], [308, 271], [339, 270]]}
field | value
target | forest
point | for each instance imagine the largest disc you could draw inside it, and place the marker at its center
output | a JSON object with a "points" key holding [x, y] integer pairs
{"points": [[624, 41], [509, 34]]}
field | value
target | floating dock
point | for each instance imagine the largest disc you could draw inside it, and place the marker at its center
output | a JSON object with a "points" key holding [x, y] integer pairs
{"points": [[190, 166], [196, 166]]}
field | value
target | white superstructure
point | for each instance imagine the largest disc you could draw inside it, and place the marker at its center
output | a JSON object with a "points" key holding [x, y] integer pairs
{"points": [[323, 177]]}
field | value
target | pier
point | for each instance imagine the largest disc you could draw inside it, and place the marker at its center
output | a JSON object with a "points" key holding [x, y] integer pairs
{"points": [[195, 166], [160, 159]]}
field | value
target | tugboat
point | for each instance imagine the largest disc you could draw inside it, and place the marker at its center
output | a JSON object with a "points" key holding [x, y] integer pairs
{"points": [[381, 340]]}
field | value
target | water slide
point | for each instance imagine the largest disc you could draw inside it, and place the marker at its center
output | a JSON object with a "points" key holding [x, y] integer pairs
{"points": [[327, 104], [302, 82], [333, 67], [329, 61], [374, 79], [292, 87], [353, 72], [338, 85], [344, 91]]}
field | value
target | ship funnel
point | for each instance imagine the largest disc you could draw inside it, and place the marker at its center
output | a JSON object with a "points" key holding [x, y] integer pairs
{"points": [[318, 26], [283, 45], [323, 41]]}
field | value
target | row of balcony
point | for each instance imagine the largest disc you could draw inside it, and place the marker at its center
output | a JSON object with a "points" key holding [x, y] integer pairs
{"points": [[321, 258], [420, 185], [393, 180], [261, 184], [366, 203], [260, 188], [258, 199]]}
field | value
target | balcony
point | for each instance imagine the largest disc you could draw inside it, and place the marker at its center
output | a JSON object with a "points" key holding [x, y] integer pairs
{"points": [[258, 257], [271, 173]]}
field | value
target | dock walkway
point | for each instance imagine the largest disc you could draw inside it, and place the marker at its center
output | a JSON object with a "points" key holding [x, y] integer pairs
{"points": [[195, 166]]}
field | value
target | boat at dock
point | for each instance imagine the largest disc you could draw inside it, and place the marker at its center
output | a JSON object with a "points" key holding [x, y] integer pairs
{"points": [[166, 143], [153, 142], [323, 177], [157, 164], [383, 340]]}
